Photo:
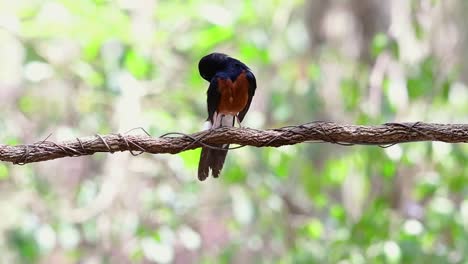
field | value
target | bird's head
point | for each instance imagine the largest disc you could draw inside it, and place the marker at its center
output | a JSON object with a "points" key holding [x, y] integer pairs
{"points": [[212, 63]]}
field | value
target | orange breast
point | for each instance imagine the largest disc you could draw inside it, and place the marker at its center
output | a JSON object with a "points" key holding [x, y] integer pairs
{"points": [[234, 95]]}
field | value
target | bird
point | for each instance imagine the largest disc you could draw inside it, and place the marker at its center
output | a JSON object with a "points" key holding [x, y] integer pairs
{"points": [[230, 92]]}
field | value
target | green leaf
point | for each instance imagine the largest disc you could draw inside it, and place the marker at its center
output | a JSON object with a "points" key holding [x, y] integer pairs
{"points": [[389, 169], [312, 184], [252, 52], [421, 83], [314, 71], [314, 229], [137, 65], [3, 172], [91, 49], [338, 212], [336, 171], [282, 168], [27, 104], [351, 91], [233, 173], [212, 36], [379, 44], [320, 200], [191, 158], [25, 244]]}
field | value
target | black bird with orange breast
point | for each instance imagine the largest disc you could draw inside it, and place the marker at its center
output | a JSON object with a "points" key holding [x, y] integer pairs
{"points": [[232, 86]]}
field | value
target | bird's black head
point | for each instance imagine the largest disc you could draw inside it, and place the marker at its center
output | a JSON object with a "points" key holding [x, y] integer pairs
{"points": [[212, 63]]}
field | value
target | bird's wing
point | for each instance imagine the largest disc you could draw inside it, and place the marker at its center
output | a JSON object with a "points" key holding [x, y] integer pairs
{"points": [[213, 97], [252, 86]]}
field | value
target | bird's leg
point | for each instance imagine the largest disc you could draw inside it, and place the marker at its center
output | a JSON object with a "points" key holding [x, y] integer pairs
{"points": [[215, 120], [221, 120]]}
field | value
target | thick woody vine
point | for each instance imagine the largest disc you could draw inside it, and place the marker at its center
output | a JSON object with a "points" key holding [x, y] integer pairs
{"points": [[319, 131]]}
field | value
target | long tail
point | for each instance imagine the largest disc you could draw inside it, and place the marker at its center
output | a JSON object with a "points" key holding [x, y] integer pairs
{"points": [[214, 158]]}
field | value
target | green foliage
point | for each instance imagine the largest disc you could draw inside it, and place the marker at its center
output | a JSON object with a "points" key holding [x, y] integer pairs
{"points": [[25, 244], [137, 65], [424, 78], [379, 44], [191, 158], [4, 174], [75, 68]]}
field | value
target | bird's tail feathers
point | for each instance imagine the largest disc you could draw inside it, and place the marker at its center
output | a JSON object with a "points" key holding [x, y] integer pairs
{"points": [[210, 158]]}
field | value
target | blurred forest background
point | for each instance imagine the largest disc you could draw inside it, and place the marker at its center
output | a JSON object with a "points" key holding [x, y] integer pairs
{"points": [[77, 68]]}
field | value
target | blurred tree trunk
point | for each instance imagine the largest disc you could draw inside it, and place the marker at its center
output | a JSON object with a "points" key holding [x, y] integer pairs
{"points": [[372, 17], [461, 10], [369, 17]]}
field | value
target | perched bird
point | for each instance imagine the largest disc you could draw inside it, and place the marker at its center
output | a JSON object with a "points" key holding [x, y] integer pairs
{"points": [[232, 86]]}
